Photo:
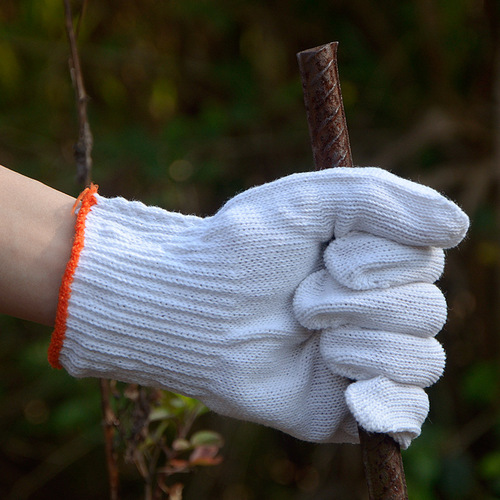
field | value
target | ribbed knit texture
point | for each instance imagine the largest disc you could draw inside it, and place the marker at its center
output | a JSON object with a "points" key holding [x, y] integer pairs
{"points": [[205, 307]]}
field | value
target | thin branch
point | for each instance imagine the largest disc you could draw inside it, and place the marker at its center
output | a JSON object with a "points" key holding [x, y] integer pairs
{"points": [[81, 15], [83, 148], [83, 158], [109, 424]]}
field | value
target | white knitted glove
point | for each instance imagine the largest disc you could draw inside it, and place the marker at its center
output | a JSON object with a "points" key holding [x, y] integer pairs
{"points": [[204, 307]]}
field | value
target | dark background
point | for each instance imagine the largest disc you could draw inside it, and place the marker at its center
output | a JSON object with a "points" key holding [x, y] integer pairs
{"points": [[195, 100]]}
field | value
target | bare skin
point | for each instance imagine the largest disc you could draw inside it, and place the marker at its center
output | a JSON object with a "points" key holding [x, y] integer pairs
{"points": [[36, 236]]}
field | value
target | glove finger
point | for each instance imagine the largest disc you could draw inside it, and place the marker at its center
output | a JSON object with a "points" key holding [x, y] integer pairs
{"points": [[363, 354], [362, 261], [417, 309], [337, 201], [382, 406]]}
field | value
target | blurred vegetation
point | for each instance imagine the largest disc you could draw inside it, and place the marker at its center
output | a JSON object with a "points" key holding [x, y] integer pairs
{"points": [[194, 100]]}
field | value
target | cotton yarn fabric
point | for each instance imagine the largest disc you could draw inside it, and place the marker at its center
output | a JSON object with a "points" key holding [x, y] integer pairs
{"points": [[306, 304]]}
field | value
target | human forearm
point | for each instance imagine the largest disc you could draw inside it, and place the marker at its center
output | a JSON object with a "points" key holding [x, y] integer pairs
{"points": [[36, 234]]}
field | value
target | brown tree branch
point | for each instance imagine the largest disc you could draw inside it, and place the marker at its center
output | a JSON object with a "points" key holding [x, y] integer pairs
{"points": [[83, 158], [81, 15], [83, 147], [109, 424]]}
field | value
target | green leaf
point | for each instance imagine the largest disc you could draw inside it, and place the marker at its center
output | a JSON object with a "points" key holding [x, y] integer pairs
{"points": [[207, 438], [160, 413]]}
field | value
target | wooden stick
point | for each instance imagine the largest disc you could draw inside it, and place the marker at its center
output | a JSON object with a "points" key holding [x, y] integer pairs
{"points": [[83, 158], [330, 144], [83, 147], [109, 422]]}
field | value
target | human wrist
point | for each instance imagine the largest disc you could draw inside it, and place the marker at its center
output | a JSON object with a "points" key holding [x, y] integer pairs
{"points": [[36, 232]]}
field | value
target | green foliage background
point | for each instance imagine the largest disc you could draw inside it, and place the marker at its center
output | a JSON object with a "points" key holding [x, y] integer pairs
{"points": [[194, 100]]}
